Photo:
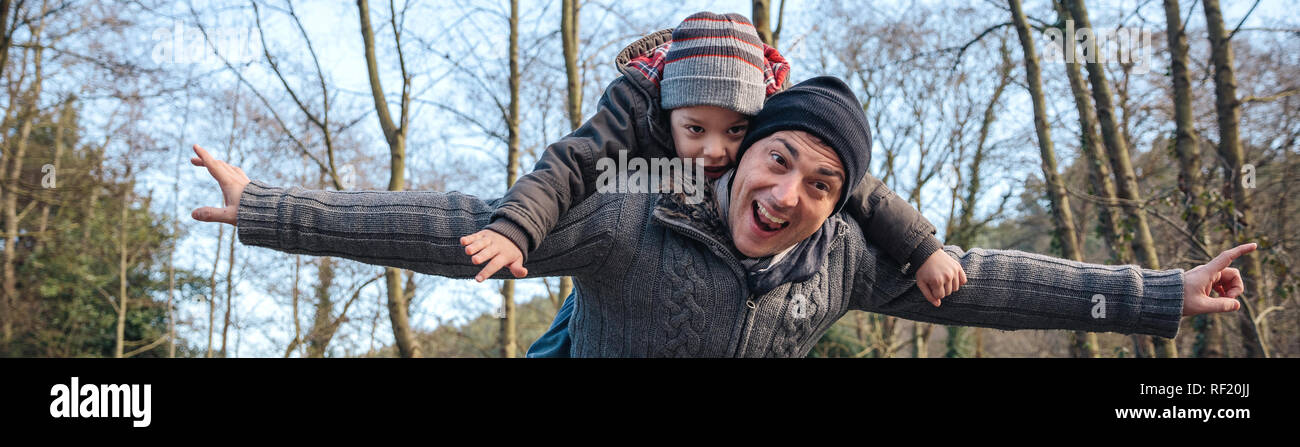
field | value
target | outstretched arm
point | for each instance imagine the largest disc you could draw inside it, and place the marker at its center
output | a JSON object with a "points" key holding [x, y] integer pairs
{"points": [[1011, 290], [414, 230]]}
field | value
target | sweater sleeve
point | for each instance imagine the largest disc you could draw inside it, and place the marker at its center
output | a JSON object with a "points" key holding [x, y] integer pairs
{"points": [[1010, 290], [416, 230], [566, 172], [891, 223]]}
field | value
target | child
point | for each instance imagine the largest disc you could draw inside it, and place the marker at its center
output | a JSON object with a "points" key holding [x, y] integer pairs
{"points": [[687, 93]]}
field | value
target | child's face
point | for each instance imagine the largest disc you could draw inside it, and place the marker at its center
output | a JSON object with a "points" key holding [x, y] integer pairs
{"points": [[709, 134]]}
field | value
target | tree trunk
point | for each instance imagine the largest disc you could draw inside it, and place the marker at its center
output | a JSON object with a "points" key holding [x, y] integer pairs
{"points": [[569, 31], [1126, 179], [1099, 175], [1208, 340], [762, 17], [230, 285], [27, 114], [293, 299], [919, 335], [5, 33], [395, 134], [316, 342], [1083, 343], [212, 289], [1239, 213], [122, 301], [508, 336]]}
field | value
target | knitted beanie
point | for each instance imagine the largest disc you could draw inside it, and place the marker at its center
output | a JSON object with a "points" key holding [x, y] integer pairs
{"points": [[714, 60], [826, 108]]}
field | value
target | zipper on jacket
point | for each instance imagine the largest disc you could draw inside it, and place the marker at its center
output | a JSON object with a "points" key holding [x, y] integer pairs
{"points": [[751, 309], [731, 261]]}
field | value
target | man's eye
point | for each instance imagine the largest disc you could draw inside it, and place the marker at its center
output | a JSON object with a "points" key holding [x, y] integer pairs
{"points": [[823, 186], [695, 129], [778, 158]]}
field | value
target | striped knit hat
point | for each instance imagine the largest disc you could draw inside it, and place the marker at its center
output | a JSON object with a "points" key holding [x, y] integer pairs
{"points": [[714, 60]]}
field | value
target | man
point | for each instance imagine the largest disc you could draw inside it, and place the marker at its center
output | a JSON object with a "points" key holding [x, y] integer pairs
{"points": [[764, 270]]}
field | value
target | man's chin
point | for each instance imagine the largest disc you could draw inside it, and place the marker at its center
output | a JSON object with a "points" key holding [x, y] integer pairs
{"points": [[755, 250]]}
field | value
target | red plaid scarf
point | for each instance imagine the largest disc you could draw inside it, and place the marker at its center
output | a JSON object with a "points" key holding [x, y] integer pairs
{"points": [[775, 68]]}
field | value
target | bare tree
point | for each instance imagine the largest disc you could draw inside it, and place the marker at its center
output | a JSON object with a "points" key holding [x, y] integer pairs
{"points": [[1242, 218], [569, 33], [1207, 327], [1117, 149], [762, 14], [395, 135], [509, 341], [1085, 344]]}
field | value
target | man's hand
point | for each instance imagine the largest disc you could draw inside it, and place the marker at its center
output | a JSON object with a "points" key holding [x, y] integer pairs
{"points": [[232, 181], [940, 276], [497, 251], [1215, 276]]}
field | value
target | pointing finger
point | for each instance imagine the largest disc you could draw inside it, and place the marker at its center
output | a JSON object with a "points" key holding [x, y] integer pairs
{"points": [[1225, 259], [214, 168]]}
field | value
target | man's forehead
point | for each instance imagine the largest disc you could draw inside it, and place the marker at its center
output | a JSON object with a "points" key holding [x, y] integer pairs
{"points": [[802, 144]]}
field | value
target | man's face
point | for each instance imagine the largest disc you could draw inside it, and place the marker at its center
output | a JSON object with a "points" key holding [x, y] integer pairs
{"points": [[785, 187]]}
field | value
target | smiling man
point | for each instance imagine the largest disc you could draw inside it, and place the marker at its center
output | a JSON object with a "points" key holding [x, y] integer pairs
{"points": [[761, 268]]}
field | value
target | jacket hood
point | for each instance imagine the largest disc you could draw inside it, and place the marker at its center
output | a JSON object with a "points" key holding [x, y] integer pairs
{"points": [[642, 47]]}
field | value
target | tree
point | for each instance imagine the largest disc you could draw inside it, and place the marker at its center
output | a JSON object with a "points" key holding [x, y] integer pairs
{"points": [[1207, 327], [569, 33], [1117, 149], [1062, 218], [509, 337], [395, 135], [1239, 213], [762, 13]]}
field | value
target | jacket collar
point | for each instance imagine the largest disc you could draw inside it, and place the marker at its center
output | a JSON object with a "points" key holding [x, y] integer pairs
{"points": [[695, 212], [642, 46]]}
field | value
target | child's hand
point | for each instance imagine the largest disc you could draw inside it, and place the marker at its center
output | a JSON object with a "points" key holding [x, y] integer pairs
{"points": [[488, 245], [940, 276]]}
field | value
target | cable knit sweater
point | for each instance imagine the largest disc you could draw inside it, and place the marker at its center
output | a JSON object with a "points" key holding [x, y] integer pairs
{"points": [[658, 277]]}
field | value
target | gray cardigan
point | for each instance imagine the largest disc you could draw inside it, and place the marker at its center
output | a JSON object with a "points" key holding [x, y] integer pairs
{"points": [[657, 277]]}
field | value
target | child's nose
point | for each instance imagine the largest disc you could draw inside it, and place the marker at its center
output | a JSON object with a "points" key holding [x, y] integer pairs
{"points": [[715, 150]]}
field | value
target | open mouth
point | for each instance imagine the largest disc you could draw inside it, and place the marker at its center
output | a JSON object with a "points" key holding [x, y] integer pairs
{"points": [[713, 172], [765, 221]]}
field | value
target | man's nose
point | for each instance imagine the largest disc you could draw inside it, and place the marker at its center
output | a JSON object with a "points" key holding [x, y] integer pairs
{"points": [[785, 193]]}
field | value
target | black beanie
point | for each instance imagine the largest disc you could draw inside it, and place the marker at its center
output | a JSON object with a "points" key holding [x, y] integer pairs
{"points": [[825, 107]]}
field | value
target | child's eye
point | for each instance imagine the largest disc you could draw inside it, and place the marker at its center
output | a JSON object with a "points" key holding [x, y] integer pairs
{"points": [[738, 130], [695, 129]]}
